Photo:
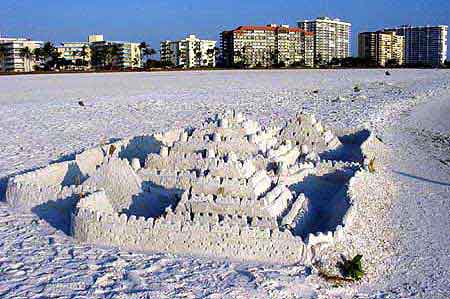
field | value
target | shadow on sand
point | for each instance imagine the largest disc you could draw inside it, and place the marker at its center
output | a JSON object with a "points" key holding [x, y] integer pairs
{"points": [[421, 178], [327, 202]]}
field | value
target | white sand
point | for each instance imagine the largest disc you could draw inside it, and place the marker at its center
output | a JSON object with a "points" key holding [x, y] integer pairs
{"points": [[42, 121]]}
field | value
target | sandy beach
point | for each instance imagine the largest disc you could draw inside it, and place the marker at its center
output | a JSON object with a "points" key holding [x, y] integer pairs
{"points": [[407, 204]]}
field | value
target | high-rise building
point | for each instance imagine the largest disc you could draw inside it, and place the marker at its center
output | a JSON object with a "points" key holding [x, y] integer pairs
{"points": [[381, 47], [115, 54], [267, 45], [331, 38], [16, 54], [424, 45], [189, 52]]}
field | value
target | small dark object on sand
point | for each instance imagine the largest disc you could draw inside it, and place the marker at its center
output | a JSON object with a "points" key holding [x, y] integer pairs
{"points": [[388, 73], [81, 103], [112, 149], [316, 91]]}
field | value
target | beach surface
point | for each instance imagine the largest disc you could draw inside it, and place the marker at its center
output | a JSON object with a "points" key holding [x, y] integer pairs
{"points": [[42, 121]]}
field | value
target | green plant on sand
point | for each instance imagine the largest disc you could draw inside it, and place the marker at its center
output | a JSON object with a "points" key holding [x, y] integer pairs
{"points": [[353, 268]]}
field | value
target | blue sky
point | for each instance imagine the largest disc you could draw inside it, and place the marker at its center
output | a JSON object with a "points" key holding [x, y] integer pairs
{"points": [[155, 20]]}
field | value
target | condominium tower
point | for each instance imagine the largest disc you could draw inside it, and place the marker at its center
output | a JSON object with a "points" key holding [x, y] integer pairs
{"points": [[189, 52], [331, 38], [381, 47], [267, 45], [424, 45], [16, 54]]}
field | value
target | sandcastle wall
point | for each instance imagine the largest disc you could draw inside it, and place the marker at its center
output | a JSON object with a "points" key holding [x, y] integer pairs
{"points": [[62, 180], [370, 147], [202, 237], [306, 130]]}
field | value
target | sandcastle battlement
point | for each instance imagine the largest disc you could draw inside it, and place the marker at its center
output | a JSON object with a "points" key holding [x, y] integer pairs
{"points": [[212, 234]]}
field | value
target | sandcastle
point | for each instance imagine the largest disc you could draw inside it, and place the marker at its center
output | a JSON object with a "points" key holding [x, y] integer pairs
{"points": [[227, 189]]}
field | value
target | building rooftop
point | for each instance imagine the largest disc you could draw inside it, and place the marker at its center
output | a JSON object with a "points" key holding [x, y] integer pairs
{"points": [[114, 42], [68, 44], [271, 27], [326, 19], [19, 40], [418, 27], [190, 37], [14, 39]]}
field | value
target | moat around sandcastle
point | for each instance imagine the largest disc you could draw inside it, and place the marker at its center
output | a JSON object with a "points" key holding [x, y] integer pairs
{"points": [[228, 189]]}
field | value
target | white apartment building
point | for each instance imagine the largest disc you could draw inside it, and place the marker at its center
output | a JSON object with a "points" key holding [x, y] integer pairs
{"points": [[331, 38], [424, 45], [11, 54], [190, 52]]}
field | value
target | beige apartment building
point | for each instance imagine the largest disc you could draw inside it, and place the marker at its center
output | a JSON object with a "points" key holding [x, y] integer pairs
{"points": [[262, 46], [382, 47], [13, 57], [331, 38], [77, 53], [93, 38], [115, 54], [189, 53]]}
